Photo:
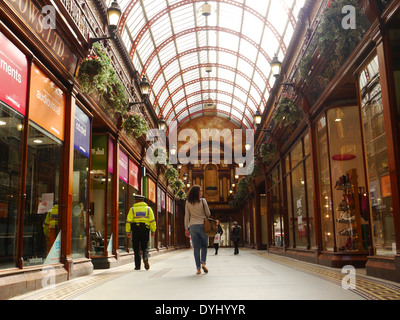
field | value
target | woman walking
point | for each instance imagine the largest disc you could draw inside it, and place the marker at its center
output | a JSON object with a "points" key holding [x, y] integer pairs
{"points": [[196, 210]]}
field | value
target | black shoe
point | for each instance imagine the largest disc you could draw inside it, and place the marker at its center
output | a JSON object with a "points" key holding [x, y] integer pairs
{"points": [[146, 264], [137, 268]]}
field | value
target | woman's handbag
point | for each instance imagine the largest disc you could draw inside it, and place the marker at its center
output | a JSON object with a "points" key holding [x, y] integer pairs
{"points": [[210, 225]]}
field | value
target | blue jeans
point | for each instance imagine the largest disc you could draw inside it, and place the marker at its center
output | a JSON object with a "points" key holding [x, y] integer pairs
{"points": [[200, 243]]}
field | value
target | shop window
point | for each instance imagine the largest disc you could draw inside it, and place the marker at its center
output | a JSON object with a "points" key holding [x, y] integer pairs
{"points": [[274, 205], [122, 215], [299, 191], [348, 180], [101, 195], [123, 208], [42, 229], [377, 162], [325, 197], [80, 184], [11, 130]]}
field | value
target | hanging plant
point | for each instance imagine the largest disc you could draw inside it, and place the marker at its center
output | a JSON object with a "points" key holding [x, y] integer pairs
{"points": [[97, 75], [256, 171], [331, 39], [178, 185], [92, 65], [268, 151], [287, 113], [171, 174], [134, 123], [181, 195], [161, 155]]}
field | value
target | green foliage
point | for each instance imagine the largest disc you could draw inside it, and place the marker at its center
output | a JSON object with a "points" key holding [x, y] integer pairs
{"points": [[171, 174], [332, 41], [287, 112], [134, 123]]}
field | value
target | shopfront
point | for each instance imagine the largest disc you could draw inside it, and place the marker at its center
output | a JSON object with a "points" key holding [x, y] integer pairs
{"points": [[101, 191], [13, 104]]}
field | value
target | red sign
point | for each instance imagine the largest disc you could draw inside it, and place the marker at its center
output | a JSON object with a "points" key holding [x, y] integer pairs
{"points": [[13, 75], [343, 157], [133, 175]]}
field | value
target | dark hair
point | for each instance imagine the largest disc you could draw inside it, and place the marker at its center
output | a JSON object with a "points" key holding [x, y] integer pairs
{"points": [[194, 194]]}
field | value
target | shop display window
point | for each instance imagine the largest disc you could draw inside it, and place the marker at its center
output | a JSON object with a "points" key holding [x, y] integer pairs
{"points": [[42, 229], [380, 198], [299, 191], [101, 196], [274, 205], [11, 131], [122, 215], [79, 205], [80, 185], [325, 196], [348, 179]]}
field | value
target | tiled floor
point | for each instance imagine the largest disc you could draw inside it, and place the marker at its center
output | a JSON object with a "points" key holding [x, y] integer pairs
{"points": [[251, 275]]}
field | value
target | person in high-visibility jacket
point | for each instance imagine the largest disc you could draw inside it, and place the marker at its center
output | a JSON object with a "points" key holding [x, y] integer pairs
{"points": [[139, 222]]}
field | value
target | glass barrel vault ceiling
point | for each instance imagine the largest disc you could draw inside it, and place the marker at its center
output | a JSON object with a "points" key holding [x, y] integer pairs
{"points": [[176, 46]]}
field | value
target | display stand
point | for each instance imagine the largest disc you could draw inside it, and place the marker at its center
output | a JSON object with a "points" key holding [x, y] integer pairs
{"points": [[348, 218]]}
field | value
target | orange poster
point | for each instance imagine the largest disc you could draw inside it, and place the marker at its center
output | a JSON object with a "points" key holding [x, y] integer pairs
{"points": [[47, 103], [152, 191]]}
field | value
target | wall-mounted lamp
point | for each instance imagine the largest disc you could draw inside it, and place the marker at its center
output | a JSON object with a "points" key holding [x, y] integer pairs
{"points": [[113, 15], [185, 175], [179, 166], [276, 67], [144, 89], [257, 118], [162, 124], [172, 150]]}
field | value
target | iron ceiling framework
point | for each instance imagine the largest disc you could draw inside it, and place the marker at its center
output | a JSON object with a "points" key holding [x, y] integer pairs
{"points": [[207, 64]]}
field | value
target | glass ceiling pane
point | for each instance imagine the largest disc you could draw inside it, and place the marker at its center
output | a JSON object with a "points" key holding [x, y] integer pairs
{"points": [[243, 27]]}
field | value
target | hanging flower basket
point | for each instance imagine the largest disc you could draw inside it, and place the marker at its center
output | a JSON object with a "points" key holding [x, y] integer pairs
{"points": [[178, 185], [161, 156], [91, 65], [287, 113], [332, 42], [171, 174], [134, 123], [181, 195], [97, 76], [268, 151]]}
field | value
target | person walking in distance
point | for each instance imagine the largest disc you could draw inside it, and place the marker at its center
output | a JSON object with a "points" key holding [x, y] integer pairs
{"points": [[217, 238], [140, 221], [196, 210], [235, 237]]}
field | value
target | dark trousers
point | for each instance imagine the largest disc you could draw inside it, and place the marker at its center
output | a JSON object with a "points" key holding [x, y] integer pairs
{"points": [[236, 243], [140, 241]]}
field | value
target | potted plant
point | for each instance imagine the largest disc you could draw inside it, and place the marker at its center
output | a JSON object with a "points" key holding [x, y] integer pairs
{"points": [[134, 123]]}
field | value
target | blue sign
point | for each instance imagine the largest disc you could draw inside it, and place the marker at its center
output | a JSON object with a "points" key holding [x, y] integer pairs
{"points": [[82, 132]]}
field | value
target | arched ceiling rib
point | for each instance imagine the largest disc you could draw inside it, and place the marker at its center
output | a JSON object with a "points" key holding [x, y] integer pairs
{"points": [[172, 43]]}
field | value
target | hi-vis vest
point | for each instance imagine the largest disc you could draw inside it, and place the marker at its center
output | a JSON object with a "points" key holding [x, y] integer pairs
{"points": [[141, 213]]}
